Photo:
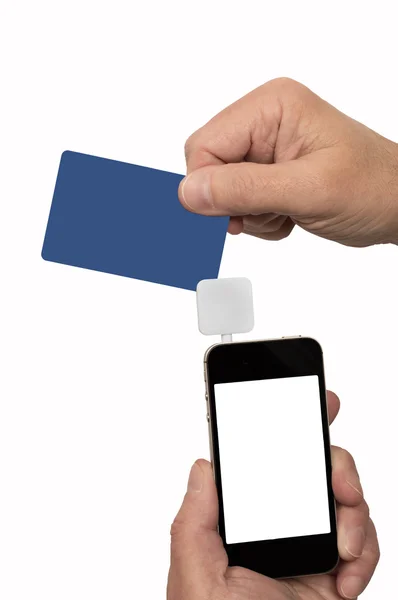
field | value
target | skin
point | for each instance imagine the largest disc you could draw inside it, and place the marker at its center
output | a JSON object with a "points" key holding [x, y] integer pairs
{"points": [[281, 156], [199, 565]]}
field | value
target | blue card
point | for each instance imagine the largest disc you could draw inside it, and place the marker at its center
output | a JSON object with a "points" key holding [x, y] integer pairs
{"points": [[127, 220]]}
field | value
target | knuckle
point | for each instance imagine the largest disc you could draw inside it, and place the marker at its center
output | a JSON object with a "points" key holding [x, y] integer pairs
{"points": [[183, 525], [173, 529], [366, 510], [362, 510], [188, 147], [376, 554], [344, 463], [375, 546], [345, 457], [192, 143], [234, 572], [176, 527], [289, 86], [284, 82]]}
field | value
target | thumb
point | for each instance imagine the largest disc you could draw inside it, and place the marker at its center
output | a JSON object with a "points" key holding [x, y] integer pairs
{"points": [[292, 188], [198, 557]]}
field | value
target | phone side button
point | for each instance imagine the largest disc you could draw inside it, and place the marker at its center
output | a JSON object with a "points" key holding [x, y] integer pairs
{"points": [[208, 417]]}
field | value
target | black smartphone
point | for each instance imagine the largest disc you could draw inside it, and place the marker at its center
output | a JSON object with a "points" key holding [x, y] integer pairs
{"points": [[270, 449]]}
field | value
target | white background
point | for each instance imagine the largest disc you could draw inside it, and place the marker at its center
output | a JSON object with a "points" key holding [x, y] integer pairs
{"points": [[272, 459], [102, 403]]}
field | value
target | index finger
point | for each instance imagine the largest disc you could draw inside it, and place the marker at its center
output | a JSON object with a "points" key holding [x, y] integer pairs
{"points": [[245, 130]]}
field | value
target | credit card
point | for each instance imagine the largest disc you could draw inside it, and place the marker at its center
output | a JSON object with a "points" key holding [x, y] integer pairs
{"points": [[126, 220]]}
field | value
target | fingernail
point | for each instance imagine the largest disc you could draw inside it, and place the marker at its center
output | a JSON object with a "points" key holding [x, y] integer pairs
{"points": [[195, 480], [357, 487], [196, 191], [355, 541], [352, 586]]}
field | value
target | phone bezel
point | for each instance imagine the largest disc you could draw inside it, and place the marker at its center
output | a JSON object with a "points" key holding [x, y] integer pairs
{"points": [[272, 359]]}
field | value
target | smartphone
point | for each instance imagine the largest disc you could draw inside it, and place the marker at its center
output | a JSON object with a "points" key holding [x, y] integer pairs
{"points": [[270, 450]]}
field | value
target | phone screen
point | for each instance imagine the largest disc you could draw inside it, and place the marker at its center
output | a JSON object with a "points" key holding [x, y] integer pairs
{"points": [[272, 458]]}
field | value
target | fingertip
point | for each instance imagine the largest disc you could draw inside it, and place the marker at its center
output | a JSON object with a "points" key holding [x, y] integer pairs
{"points": [[235, 225], [351, 541], [195, 191], [181, 195], [206, 469], [352, 586], [334, 405], [203, 463]]}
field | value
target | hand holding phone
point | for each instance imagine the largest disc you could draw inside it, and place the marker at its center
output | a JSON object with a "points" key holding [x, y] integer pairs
{"points": [[199, 561]]}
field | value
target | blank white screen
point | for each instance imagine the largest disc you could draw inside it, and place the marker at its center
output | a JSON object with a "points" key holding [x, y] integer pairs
{"points": [[272, 459]]}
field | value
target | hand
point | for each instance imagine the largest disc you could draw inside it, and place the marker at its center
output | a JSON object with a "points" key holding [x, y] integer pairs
{"points": [[199, 564], [282, 156]]}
